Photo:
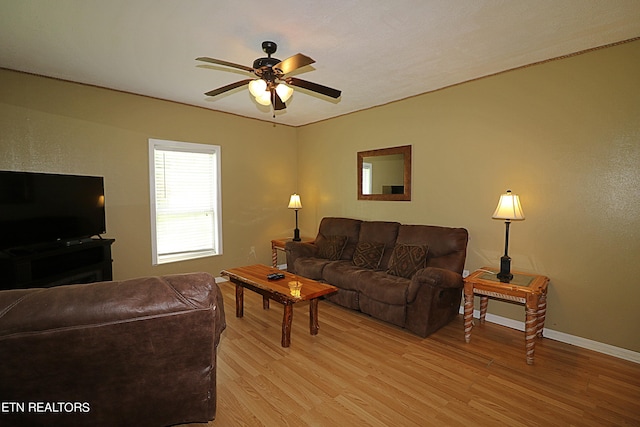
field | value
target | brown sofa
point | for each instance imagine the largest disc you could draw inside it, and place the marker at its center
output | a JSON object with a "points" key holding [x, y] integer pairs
{"points": [[139, 352], [407, 275]]}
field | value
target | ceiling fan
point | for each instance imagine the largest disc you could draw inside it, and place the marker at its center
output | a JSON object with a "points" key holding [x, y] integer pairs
{"points": [[272, 86]]}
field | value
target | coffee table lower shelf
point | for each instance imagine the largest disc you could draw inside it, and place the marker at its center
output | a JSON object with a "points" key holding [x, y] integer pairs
{"points": [[286, 291]]}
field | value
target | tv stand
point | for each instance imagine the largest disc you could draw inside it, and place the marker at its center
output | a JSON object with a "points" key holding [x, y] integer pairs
{"points": [[79, 261], [77, 242]]}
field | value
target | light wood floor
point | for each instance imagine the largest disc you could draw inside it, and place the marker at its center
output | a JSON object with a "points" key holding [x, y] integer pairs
{"points": [[359, 371]]}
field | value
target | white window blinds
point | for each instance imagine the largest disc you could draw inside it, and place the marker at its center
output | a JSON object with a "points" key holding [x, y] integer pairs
{"points": [[185, 183]]}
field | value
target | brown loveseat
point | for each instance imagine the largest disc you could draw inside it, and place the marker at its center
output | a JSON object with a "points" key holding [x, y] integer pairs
{"points": [[407, 275], [139, 352]]}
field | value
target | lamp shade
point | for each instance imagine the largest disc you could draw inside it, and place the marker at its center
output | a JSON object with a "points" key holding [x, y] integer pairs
{"points": [[284, 92], [257, 87], [509, 207], [264, 99], [294, 202]]}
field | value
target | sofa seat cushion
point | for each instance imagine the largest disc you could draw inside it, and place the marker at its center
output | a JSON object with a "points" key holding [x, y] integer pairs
{"points": [[310, 267], [384, 287], [342, 274]]}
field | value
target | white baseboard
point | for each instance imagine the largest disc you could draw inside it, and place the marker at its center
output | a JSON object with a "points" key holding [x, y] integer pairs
{"points": [[621, 353]]}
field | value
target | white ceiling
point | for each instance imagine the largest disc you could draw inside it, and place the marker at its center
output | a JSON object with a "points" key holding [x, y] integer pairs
{"points": [[375, 51]]}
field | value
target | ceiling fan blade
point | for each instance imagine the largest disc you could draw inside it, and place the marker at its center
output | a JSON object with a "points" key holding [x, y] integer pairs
{"points": [[225, 63], [226, 88], [276, 101], [293, 63], [315, 87]]}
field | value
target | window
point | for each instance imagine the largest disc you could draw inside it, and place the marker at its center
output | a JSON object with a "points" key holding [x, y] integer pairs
{"points": [[185, 201]]}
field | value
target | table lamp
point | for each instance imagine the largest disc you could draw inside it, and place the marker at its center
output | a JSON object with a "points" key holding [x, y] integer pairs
{"points": [[294, 203], [509, 209]]}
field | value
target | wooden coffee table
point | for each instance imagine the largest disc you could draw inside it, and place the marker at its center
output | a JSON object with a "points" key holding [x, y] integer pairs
{"points": [[287, 291]]}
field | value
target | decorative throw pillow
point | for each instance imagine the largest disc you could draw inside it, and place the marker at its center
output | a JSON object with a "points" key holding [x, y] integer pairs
{"points": [[331, 247], [407, 259], [368, 255]]}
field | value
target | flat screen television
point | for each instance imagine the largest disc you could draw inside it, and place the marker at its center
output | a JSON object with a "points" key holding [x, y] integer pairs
{"points": [[44, 208]]}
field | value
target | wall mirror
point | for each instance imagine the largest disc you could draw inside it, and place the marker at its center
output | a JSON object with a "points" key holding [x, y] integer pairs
{"points": [[385, 174]]}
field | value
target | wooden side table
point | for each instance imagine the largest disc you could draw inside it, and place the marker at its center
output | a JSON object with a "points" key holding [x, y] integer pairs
{"points": [[278, 245], [527, 289]]}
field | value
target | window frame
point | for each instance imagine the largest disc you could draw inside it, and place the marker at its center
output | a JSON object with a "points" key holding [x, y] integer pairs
{"points": [[168, 145]]}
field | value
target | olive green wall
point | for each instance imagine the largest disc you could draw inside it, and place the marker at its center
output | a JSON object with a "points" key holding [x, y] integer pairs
{"points": [[53, 126], [564, 135]]}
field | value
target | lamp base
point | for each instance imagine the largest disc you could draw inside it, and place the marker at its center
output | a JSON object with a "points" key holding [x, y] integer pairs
{"points": [[505, 275], [296, 235]]}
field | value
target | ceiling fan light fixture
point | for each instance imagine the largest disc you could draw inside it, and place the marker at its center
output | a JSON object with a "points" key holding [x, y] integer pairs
{"points": [[284, 92], [264, 98], [269, 87], [258, 87]]}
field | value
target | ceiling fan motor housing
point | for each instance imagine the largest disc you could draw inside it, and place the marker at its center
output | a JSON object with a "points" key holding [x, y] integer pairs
{"points": [[265, 62], [262, 63]]}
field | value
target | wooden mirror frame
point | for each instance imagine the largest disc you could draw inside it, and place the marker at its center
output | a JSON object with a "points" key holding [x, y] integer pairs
{"points": [[406, 196]]}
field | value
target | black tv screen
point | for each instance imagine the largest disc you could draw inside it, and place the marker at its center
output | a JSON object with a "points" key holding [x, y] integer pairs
{"points": [[40, 208]]}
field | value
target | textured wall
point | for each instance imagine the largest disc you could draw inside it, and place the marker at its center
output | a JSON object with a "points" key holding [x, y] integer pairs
{"points": [[54, 126], [564, 135]]}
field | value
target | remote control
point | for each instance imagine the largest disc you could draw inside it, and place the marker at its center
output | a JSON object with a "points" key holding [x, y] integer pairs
{"points": [[275, 276]]}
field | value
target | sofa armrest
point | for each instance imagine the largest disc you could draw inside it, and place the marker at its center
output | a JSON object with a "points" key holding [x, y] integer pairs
{"points": [[433, 277], [295, 250], [433, 300]]}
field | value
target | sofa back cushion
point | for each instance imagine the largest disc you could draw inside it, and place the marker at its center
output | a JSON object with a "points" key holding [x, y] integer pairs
{"points": [[350, 228], [447, 246], [381, 232]]}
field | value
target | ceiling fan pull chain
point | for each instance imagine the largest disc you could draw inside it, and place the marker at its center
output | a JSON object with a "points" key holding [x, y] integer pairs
{"points": [[273, 102]]}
